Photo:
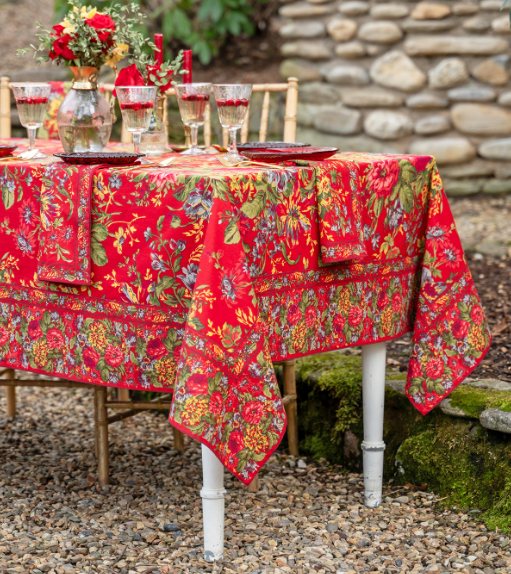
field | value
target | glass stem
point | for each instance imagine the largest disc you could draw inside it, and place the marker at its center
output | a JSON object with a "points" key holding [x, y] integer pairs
{"points": [[31, 138], [194, 134], [137, 136], [232, 141]]}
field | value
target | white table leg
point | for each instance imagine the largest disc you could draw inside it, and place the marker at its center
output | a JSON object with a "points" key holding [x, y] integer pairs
{"points": [[373, 392], [213, 505]]}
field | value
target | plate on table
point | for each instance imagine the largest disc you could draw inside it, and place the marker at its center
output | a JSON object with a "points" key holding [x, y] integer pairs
{"points": [[270, 145], [290, 153], [7, 149], [91, 158]]}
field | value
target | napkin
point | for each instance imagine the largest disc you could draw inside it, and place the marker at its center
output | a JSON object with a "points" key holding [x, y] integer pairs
{"points": [[65, 235]]}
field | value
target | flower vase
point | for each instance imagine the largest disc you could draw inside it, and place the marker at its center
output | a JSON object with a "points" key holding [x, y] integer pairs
{"points": [[84, 118], [154, 141]]}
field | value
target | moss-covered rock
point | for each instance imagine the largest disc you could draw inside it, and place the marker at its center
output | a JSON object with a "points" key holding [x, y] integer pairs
{"points": [[454, 455]]}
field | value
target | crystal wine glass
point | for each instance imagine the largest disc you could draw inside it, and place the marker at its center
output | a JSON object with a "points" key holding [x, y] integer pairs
{"points": [[136, 103], [32, 101], [192, 100], [232, 101]]}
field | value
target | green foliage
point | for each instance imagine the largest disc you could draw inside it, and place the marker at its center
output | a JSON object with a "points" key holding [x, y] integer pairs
{"points": [[329, 402], [474, 400], [201, 25]]}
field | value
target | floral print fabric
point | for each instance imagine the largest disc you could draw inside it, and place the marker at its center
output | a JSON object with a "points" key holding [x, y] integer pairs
{"points": [[203, 275]]}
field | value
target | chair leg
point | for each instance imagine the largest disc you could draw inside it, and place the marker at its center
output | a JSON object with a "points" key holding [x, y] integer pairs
{"points": [[102, 435], [179, 443], [291, 407], [10, 393], [254, 485], [123, 394]]}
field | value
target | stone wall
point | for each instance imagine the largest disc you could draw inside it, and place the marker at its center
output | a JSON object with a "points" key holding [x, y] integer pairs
{"points": [[406, 77]]}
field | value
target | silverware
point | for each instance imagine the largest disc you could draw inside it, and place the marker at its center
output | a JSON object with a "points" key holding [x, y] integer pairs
{"points": [[231, 161]]}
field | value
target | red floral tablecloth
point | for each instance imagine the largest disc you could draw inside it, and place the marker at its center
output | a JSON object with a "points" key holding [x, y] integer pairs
{"points": [[202, 275]]}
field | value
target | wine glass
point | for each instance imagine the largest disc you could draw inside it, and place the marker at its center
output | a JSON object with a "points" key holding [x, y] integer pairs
{"points": [[232, 101], [136, 103], [32, 101], [192, 100]]}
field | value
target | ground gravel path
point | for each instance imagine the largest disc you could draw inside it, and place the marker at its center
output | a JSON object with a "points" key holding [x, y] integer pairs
{"points": [[305, 518]]}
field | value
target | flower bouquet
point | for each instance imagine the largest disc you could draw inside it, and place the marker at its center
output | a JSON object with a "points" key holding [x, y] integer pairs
{"points": [[85, 40]]}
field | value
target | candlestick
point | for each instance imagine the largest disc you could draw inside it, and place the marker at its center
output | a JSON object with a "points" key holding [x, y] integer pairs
{"points": [[158, 54], [187, 65]]}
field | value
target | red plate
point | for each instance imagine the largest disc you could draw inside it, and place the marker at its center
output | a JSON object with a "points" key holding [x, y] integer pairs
{"points": [[7, 149], [285, 154], [91, 158]]}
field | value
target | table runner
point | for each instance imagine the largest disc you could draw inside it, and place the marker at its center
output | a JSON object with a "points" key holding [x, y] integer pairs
{"points": [[210, 273]]}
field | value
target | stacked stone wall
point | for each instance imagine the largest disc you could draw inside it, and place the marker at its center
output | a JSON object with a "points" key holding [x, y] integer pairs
{"points": [[406, 77]]}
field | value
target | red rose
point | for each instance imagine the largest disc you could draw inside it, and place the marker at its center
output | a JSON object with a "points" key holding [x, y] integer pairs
{"points": [[460, 328], [414, 370], [153, 70], [396, 302], [311, 316], [338, 325], [34, 330], [104, 23], [355, 316], [59, 29], [435, 368], [129, 76], [382, 300], [90, 358], [197, 384], [54, 338], [113, 356], [383, 177], [156, 349], [232, 402], [252, 412], [4, 336], [477, 315], [235, 442], [61, 48], [293, 314], [177, 354], [216, 403]]}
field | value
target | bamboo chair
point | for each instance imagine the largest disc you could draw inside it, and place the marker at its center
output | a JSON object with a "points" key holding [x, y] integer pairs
{"points": [[123, 403]]}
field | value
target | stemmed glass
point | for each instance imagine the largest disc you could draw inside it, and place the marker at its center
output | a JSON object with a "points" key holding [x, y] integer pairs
{"points": [[136, 103], [32, 101], [192, 100], [232, 101]]}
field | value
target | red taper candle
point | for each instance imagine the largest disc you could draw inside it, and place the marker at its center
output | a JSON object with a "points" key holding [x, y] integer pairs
{"points": [[187, 65], [158, 54]]}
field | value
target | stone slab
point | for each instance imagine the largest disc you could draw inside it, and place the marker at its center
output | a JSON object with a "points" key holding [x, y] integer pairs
{"points": [[380, 32], [302, 69], [428, 26], [496, 149], [455, 45], [388, 125], [303, 30], [446, 150], [448, 409], [447, 74], [350, 50], [342, 29], [493, 384], [307, 49], [339, 120], [348, 76], [390, 11], [430, 11], [306, 10], [497, 186], [472, 94], [481, 120], [354, 8], [318, 93], [361, 143], [372, 98], [491, 71], [473, 169], [462, 187], [431, 125], [396, 70], [495, 419], [425, 101]]}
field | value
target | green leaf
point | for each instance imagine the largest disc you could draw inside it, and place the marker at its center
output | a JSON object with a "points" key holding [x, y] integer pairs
{"points": [[98, 253], [253, 208], [164, 283], [159, 224], [100, 232], [7, 197], [232, 233], [197, 324]]}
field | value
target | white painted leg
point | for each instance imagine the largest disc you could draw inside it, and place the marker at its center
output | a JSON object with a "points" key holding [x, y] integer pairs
{"points": [[373, 393], [213, 503]]}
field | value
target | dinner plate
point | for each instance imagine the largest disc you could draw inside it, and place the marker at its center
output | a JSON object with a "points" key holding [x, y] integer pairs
{"points": [[270, 145], [7, 149], [91, 158], [285, 154]]}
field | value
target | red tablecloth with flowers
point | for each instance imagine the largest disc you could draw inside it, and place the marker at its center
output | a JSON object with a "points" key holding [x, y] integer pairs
{"points": [[200, 276]]}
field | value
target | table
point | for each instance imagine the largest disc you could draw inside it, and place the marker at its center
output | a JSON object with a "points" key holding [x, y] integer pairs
{"points": [[200, 276]]}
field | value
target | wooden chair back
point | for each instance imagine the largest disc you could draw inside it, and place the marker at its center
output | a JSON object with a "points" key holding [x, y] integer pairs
{"points": [[290, 114]]}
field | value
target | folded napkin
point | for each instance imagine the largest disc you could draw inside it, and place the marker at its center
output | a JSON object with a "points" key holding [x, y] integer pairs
{"points": [[340, 216], [65, 237]]}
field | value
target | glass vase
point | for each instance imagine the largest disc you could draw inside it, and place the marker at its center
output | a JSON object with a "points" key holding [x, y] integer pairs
{"points": [[84, 118], [154, 141]]}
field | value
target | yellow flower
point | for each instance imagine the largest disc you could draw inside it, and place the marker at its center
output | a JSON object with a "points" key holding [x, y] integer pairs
{"points": [[194, 408], [120, 238], [255, 439], [84, 13], [41, 351], [166, 371], [116, 55], [97, 336], [68, 27]]}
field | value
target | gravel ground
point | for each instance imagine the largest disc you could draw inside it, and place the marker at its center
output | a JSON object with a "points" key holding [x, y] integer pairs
{"points": [[305, 518]]}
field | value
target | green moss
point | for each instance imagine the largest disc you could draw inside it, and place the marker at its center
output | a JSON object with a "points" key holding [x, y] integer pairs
{"points": [[474, 400]]}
